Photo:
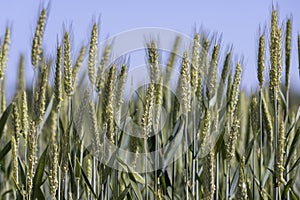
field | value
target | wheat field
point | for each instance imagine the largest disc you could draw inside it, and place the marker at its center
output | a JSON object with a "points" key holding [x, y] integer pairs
{"points": [[75, 133]]}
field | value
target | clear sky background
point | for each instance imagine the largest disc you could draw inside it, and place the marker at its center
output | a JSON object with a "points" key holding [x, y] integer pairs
{"points": [[238, 21]]}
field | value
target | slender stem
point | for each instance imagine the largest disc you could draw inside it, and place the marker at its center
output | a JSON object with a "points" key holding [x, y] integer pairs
{"points": [[186, 157], [227, 179], [217, 176], [275, 192], [261, 139], [146, 167], [173, 179]]}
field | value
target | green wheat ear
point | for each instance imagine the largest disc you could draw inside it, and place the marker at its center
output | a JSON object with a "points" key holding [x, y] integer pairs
{"points": [[275, 55], [93, 51], [195, 63], [25, 117], [4, 53], [53, 171], [261, 61], [231, 141], [209, 176], [57, 80], [288, 48], [68, 78], [185, 86], [242, 187], [280, 152], [37, 51]]}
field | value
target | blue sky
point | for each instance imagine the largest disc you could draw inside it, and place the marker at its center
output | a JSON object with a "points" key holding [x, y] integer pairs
{"points": [[238, 22]]}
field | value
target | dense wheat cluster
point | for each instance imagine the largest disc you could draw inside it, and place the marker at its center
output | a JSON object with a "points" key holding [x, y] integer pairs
{"points": [[60, 138]]}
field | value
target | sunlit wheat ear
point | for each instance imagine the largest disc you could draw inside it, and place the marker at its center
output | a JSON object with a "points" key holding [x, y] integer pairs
{"points": [[57, 80], [254, 114], [24, 116], [280, 151], [88, 167], [93, 52], [68, 78], [53, 175], [158, 93], [242, 187], [16, 122], [203, 56], [40, 92], [134, 148], [209, 176], [153, 61], [267, 119], [235, 91], [94, 127], [78, 63], [148, 111], [2, 96], [195, 63], [21, 75], [205, 127], [231, 141], [31, 156], [212, 75], [185, 86], [37, 51], [229, 85], [4, 53], [226, 66], [275, 55], [288, 48], [14, 152], [108, 104], [100, 71], [261, 61], [119, 94]]}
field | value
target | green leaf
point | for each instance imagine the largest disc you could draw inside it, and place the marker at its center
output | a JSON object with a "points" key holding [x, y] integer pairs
{"points": [[136, 190], [248, 151], [132, 174], [88, 182], [235, 180], [293, 147], [22, 172], [4, 118], [287, 187], [38, 175], [174, 142], [5, 150], [295, 165], [72, 177], [124, 193]]}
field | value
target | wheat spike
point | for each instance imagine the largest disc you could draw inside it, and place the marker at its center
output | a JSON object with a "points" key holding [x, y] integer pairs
{"points": [[280, 151], [25, 117], [211, 85], [104, 59], [261, 61], [195, 63], [53, 175], [185, 87], [231, 141], [57, 80], [209, 176], [93, 51], [69, 88], [14, 147], [37, 51], [4, 53]]}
